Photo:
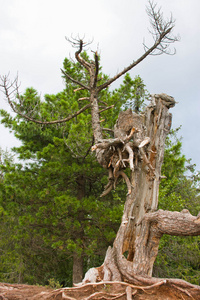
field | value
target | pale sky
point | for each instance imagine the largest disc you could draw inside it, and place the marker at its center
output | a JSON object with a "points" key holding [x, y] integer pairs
{"points": [[32, 43]]}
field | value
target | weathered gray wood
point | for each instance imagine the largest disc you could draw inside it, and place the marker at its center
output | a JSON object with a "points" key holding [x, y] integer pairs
{"points": [[145, 187], [142, 225], [131, 131]]}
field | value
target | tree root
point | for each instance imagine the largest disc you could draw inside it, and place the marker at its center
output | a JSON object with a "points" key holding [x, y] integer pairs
{"points": [[123, 154], [102, 295], [113, 181], [164, 289]]}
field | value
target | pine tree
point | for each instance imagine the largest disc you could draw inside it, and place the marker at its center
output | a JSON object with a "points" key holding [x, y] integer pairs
{"points": [[58, 185]]}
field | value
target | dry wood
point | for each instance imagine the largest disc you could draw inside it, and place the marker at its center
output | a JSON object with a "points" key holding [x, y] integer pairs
{"points": [[142, 226], [129, 293]]}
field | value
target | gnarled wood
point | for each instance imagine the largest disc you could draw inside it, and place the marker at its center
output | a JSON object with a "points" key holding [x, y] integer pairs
{"points": [[142, 225], [137, 235]]}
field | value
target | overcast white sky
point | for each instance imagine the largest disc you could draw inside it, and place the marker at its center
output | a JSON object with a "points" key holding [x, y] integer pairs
{"points": [[32, 43]]}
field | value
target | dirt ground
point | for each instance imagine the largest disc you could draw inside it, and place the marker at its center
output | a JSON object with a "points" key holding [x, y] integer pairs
{"points": [[94, 292]]}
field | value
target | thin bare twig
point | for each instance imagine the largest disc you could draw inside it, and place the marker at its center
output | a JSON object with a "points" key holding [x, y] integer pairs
{"points": [[75, 81], [162, 38], [79, 89], [106, 108], [83, 98]]}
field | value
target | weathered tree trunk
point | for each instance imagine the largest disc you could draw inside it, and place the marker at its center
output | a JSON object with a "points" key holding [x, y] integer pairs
{"points": [[136, 245], [143, 199]]}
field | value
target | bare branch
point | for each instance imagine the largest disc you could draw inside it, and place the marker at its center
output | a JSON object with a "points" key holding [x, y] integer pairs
{"points": [[13, 86], [107, 190], [162, 38], [121, 173], [131, 155], [135, 63], [82, 61], [9, 89], [174, 223], [84, 98], [57, 121], [79, 89], [89, 148], [106, 143], [75, 42], [97, 68], [102, 102], [80, 44], [106, 108], [78, 156], [108, 129], [159, 26], [74, 80]]}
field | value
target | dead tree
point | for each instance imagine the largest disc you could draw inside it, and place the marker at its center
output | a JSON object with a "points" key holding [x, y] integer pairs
{"points": [[138, 144]]}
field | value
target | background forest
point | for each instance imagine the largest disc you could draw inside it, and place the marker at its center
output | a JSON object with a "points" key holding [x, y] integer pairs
{"points": [[54, 224]]}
